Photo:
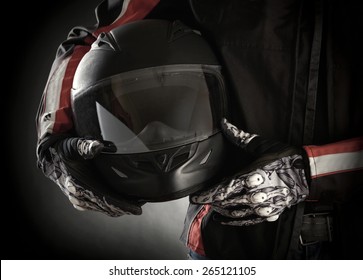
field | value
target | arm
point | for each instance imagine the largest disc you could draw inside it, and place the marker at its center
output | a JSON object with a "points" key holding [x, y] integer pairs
{"points": [[54, 117], [335, 170], [281, 176]]}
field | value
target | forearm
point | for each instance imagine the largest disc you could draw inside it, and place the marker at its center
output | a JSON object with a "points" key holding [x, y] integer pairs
{"points": [[336, 170], [61, 154]]}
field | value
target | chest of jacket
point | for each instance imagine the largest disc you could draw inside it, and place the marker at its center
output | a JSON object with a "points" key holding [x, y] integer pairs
{"points": [[291, 66]]}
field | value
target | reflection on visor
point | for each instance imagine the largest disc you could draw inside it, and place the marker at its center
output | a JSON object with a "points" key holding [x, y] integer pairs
{"points": [[153, 135], [117, 132], [160, 107]]}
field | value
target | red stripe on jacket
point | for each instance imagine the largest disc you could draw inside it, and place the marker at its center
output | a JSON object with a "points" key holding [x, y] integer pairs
{"points": [[346, 146], [63, 119], [195, 240], [136, 9]]}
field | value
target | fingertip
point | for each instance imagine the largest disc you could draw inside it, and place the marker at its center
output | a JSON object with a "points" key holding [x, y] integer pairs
{"points": [[272, 218], [79, 208], [224, 122], [192, 199], [196, 200], [109, 147], [74, 201]]}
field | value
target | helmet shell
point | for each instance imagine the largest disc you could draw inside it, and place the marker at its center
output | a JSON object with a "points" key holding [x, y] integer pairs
{"points": [[142, 44], [170, 171]]}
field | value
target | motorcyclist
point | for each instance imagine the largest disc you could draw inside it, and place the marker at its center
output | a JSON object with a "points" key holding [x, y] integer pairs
{"points": [[292, 69]]}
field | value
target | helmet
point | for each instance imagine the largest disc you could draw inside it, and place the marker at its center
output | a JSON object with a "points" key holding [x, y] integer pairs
{"points": [[154, 89]]}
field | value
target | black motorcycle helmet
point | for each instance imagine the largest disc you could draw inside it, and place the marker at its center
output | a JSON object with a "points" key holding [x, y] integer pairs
{"points": [[154, 89]]}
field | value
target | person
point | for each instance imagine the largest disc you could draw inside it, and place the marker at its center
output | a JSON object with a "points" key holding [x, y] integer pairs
{"points": [[294, 179]]}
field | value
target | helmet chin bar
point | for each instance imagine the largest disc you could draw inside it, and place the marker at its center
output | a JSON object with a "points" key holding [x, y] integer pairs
{"points": [[165, 174]]}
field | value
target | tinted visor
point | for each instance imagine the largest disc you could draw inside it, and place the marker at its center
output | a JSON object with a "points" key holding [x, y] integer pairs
{"points": [[158, 108]]}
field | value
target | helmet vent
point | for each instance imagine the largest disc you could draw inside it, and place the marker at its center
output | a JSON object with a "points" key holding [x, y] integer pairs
{"points": [[205, 159], [164, 161], [179, 159], [119, 173]]}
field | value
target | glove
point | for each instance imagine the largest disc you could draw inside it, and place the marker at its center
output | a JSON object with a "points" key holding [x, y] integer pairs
{"points": [[84, 195], [75, 148], [274, 181]]}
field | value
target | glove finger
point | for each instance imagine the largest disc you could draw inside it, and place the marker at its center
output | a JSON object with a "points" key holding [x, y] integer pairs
{"points": [[206, 197], [93, 148], [236, 135], [255, 199], [106, 206], [82, 205], [251, 199], [113, 207], [220, 193], [246, 221], [239, 222], [242, 221], [239, 210], [88, 199], [272, 218], [128, 207], [89, 149], [234, 213], [79, 208], [249, 222], [268, 210], [263, 212], [109, 147]]}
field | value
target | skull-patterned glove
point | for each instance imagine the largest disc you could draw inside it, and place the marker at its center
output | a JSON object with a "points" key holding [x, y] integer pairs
{"points": [[75, 151], [274, 181]]}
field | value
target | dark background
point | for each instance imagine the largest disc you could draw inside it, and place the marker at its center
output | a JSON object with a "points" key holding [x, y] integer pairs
{"points": [[38, 222]]}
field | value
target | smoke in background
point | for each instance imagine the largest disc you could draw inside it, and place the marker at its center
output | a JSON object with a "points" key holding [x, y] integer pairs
{"points": [[40, 222]]}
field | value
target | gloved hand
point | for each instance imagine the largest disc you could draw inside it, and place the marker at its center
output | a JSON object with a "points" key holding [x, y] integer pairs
{"points": [[274, 181], [75, 148], [83, 195]]}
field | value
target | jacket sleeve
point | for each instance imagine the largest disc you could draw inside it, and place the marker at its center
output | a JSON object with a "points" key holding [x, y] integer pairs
{"points": [[336, 170], [54, 116]]}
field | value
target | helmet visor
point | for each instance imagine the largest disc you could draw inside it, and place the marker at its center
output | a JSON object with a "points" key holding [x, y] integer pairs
{"points": [[158, 108]]}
